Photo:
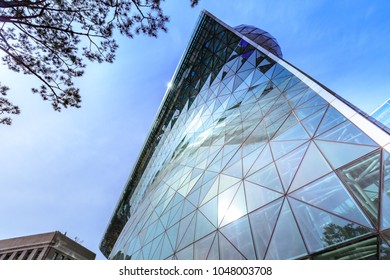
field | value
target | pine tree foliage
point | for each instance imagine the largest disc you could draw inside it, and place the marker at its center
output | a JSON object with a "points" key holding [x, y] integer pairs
{"points": [[53, 39]]}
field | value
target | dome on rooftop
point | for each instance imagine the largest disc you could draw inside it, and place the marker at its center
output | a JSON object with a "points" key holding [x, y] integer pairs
{"points": [[260, 37]]}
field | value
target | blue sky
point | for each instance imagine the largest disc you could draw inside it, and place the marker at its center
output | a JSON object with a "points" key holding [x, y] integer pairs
{"points": [[65, 171]]}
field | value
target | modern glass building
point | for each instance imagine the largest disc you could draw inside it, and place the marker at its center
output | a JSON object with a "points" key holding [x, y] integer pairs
{"points": [[382, 113], [250, 158]]}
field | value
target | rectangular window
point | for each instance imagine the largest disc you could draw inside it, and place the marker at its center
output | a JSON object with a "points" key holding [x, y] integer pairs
{"points": [[28, 253], [55, 255], [37, 253], [17, 255], [7, 256]]}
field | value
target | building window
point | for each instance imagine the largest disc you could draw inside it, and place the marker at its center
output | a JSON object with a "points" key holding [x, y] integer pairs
{"points": [[62, 257], [55, 255], [28, 253], [37, 253], [17, 255], [7, 256]]}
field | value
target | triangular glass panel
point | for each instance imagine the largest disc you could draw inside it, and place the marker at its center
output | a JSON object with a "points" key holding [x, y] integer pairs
{"points": [[172, 234], [234, 169], [362, 178], [264, 159], [145, 251], [311, 123], [185, 223], [288, 165], [309, 94], [206, 188], [164, 218], [202, 247], [303, 113], [286, 242], [166, 249], [225, 182], [331, 118], [189, 235], [282, 82], [339, 154], [203, 226], [236, 209], [288, 123], [258, 78], [294, 98], [186, 254], [316, 100], [267, 177], [257, 196], [347, 133], [224, 200], [227, 250], [281, 148], [321, 229], [211, 193], [265, 65], [216, 164], [210, 211], [330, 194], [248, 160], [239, 234], [187, 208], [137, 256], [238, 81], [294, 133], [312, 167], [245, 71], [156, 248], [193, 197], [385, 223], [275, 126], [263, 222], [294, 89], [214, 250]]}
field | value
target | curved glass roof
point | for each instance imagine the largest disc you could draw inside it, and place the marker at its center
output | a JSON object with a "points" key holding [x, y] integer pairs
{"points": [[260, 37]]}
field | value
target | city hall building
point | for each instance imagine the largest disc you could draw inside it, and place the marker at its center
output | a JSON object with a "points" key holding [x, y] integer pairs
{"points": [[250, 158]]}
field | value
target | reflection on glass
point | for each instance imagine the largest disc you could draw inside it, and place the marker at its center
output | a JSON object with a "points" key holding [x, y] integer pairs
{"points": [[321, 229], [330, 194], [363, 179], [363, 250]]}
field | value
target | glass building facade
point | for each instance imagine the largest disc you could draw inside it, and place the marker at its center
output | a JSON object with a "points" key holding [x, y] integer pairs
{"points": [[250, 158], [382, 114]]}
